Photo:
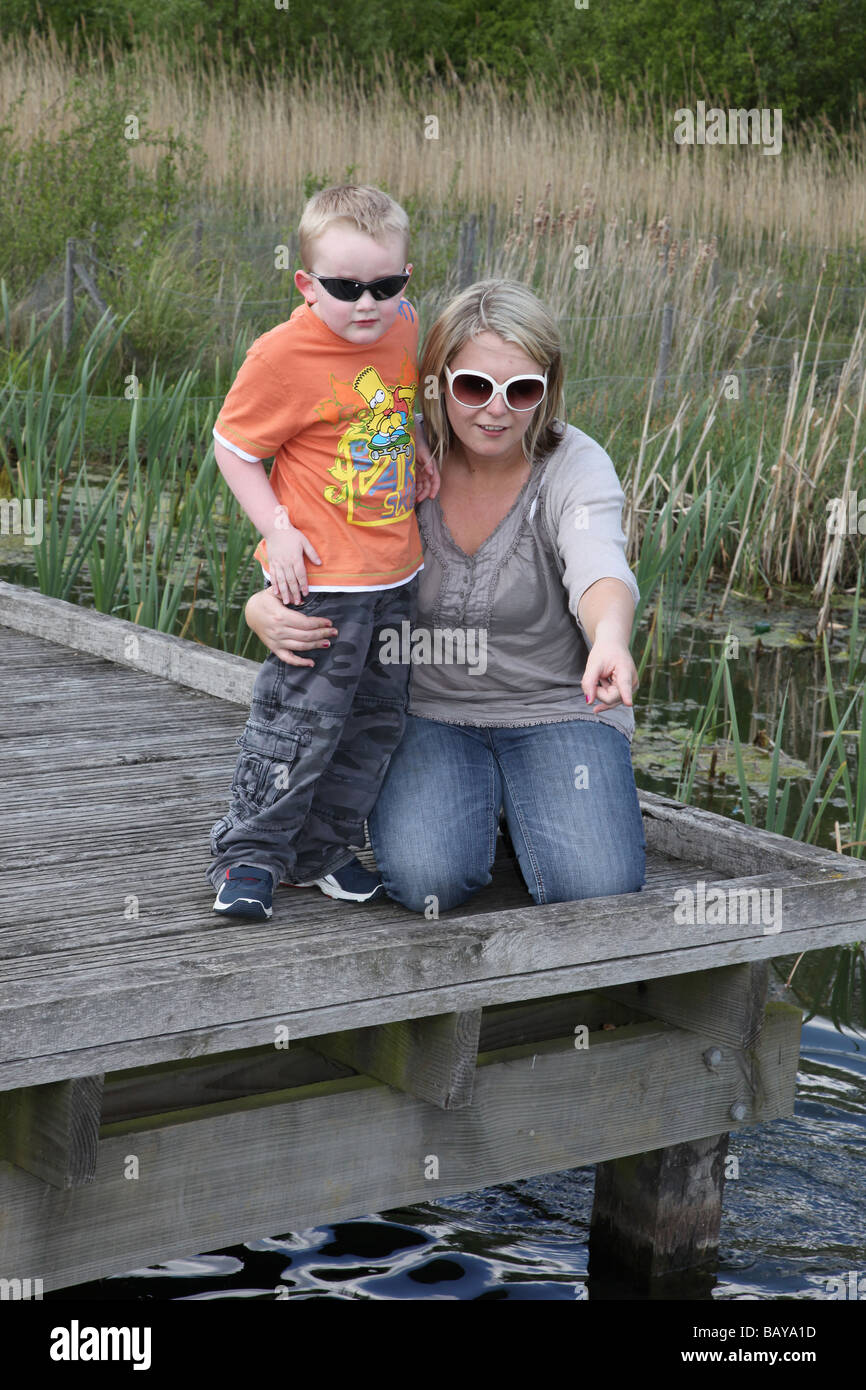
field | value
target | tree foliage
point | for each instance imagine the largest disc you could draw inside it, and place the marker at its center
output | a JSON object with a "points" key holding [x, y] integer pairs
{"points": [[806, 56]]}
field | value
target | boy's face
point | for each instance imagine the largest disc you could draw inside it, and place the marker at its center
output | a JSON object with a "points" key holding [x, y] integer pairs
{"points": [[347, 253]]}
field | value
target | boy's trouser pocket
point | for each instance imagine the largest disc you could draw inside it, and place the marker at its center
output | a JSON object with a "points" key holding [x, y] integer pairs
{"points": [[263, 770]]}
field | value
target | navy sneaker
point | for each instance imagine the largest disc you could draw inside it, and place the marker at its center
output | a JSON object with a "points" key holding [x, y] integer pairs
{"points": [[246, 892], [353, 883]]}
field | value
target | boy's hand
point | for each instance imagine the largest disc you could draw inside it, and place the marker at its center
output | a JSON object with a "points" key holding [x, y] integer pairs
{"points": [[427, 477], [286, 550], [427, 481]]}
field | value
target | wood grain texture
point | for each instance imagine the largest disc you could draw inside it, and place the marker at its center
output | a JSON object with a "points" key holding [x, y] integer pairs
{"points": [[52, 1131], [110, 955], [431, 1058], [725, 1004], [658, 1213], [342, 1149], [127, 644]]}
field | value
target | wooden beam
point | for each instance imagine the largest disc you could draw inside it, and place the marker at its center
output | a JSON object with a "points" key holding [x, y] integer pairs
{"points": [[366, 972], [431, 1058], [344, 1148], [657, 1214], [128, 644], [189, 1082], [184, 1084], [687, 833], [537, 1020], [52, 1131], [725, 1004]]}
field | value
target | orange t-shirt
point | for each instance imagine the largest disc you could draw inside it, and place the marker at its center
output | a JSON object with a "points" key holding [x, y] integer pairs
{"points": [[337, 417]]}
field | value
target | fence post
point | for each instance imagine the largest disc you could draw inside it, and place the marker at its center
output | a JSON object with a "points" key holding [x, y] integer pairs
{"points": [[466, 253], [666, 338], [196, 241], [68, 291], [491, 231]]}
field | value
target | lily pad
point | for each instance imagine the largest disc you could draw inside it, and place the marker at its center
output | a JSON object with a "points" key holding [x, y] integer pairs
{"points": [[659, 752]]}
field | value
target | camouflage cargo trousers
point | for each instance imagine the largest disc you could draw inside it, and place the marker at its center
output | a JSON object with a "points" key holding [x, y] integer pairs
{"points": [[317, 743]]}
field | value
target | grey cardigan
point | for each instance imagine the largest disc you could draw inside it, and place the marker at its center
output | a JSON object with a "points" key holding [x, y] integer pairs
{"points": [[497, 640]]}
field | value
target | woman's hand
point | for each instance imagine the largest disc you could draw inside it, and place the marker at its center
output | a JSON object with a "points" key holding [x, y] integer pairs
{"points": [[284, 630], [606, 612], [610, 676]]}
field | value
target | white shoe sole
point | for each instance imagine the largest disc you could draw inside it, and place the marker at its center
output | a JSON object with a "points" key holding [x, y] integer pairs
{"points": [[229, 908], [331, 888]]}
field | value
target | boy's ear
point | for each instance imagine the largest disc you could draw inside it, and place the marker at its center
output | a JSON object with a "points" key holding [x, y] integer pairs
{"points": [[307, 285]]}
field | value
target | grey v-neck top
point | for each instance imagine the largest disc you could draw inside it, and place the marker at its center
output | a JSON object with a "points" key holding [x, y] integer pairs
{"points": [[497, 639]]}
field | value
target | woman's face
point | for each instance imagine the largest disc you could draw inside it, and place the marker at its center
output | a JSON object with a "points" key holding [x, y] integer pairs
{"points": [[493, 431]]}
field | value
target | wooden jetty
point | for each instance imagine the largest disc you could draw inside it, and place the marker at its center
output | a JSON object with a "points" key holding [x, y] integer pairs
{"points": [[173, 1082]]}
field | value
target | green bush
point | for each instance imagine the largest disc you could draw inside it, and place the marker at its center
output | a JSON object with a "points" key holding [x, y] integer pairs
{"points": [[75, 178]]}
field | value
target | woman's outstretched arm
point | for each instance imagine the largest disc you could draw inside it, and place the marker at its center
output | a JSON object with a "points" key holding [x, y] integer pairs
{"points": [[606, 613]]}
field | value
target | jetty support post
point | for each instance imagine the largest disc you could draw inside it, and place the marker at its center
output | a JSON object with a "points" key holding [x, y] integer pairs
{"points": [[657, 1214]]}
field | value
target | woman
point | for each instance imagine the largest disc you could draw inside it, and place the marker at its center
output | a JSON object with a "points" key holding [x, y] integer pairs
{"points": [[525, 577]]}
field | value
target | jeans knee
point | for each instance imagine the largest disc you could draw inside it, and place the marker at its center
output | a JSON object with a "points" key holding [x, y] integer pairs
{"points": [[431, 897]]}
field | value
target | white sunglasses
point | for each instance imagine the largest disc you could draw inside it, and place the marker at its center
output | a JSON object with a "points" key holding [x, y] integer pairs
{"points": [[477, 389]]}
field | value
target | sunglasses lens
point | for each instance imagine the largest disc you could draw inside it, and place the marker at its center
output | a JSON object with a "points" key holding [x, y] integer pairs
{"points": [[524, 393], [387, 287], [346, 290], [471, 390]]}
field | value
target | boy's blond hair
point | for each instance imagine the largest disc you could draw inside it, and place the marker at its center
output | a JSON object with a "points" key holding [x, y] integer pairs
{"points": [[360, 205]]}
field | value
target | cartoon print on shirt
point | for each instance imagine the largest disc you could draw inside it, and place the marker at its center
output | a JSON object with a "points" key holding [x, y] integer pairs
{"points": [[375, 463]]}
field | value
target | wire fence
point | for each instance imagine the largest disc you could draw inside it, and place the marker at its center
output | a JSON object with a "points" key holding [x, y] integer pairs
{"points": [[670, 313]]}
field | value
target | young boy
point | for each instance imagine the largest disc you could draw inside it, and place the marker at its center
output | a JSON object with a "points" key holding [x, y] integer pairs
{"points": [[329, 393]]}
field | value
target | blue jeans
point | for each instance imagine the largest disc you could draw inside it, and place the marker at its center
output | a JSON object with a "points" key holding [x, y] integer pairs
{"points": [[569, 798]]}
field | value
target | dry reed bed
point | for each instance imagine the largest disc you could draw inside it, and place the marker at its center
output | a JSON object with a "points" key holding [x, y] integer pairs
{"points": [[491, 147]]}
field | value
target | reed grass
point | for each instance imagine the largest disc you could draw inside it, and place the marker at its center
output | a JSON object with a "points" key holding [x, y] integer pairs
{"points": [[263, 141]]}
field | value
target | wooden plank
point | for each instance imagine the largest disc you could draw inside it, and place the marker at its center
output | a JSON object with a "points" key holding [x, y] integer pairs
{"points": [[726, 1004], [658, 1214], [346, 1148], [176, 1049], [184, 1084], [52, 1131], [187, 1082], [558, 1016], [229, 678], [83, 999], [431, 1058], [691, 834]]}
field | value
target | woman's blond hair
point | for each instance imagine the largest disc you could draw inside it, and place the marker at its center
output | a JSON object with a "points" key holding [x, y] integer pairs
{"points": [[514, 313], [359, 205]]}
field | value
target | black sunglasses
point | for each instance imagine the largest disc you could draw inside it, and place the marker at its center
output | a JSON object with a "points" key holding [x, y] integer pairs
{"points": [[350, 290]]}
